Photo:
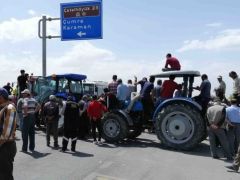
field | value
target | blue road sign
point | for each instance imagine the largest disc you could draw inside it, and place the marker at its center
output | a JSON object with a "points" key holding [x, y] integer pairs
{"points": [[81, 20]]}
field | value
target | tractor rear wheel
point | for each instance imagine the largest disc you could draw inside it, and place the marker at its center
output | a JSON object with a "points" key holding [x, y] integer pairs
{"points": [[180, 126]]}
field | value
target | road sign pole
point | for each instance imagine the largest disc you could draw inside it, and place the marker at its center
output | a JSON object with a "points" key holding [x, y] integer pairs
{"points": [[44, 45]]}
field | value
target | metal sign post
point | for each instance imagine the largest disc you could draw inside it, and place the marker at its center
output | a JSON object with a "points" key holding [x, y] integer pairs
{"points": [[42, 33]]}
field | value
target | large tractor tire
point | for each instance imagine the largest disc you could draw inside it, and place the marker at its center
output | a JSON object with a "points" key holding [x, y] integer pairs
{"points": [[114, 128], [180, 126]]}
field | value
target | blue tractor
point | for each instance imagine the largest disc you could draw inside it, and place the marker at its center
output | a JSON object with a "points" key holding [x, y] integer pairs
{"points": [[178, 122], [60, 85]]}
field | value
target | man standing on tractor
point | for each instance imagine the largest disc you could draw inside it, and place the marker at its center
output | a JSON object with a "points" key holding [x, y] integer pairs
{"points": [[168, 88], [205, 93], [21, 82], [51, 116], [221, 89], [172, 62], [122, 93], [112, 86], [236, 85]]}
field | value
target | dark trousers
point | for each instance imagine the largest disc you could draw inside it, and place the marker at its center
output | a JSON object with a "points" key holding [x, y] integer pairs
{"points": [[233, 134], [7, 153], [96, 124], [70, 133], [148, 107], [52, 127], [222, 137], [28, 131]]}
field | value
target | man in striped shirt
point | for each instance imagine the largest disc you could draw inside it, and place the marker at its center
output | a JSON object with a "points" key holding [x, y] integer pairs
{"points": [[8, 147], [30, 107]]}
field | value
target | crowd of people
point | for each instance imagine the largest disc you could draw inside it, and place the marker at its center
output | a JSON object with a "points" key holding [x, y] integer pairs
{"points": [[222, 115]]}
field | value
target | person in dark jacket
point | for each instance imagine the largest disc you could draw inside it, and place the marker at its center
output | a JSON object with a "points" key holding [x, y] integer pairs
{"points": [[51, 116], [71, 118]]}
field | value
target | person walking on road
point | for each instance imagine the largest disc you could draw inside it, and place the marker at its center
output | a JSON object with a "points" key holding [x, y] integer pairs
{"points": [[8, 147], [30, 107], [95, 112], [71, 119], [51, 116]]}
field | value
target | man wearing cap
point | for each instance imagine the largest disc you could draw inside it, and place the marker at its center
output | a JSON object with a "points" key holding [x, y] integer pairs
{"points": [[71, 118], [236, 85], [8, 147], [221, 89], [30, 107], [51, 116]]}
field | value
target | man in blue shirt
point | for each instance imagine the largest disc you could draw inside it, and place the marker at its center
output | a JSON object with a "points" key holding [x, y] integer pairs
{"points": [[233, 119], [122, 92], [147, 98]]}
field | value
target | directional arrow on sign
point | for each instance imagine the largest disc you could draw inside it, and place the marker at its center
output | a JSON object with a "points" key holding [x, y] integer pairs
{"points": [[81, 34]]}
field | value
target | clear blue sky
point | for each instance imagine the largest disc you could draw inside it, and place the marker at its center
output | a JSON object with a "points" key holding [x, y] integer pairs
{"points": [[203, 34]]}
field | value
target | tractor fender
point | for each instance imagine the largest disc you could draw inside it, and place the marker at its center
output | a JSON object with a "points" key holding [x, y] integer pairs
{"points": [[125, 115], [174, 100]]}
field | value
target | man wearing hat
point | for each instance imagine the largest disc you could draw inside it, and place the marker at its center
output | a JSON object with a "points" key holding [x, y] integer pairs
{"points": [[221, 89], [30, 107], [8, 147], [51, 116]]}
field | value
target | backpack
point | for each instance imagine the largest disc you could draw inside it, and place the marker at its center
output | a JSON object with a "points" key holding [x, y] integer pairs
{"points": [[51, 110]]}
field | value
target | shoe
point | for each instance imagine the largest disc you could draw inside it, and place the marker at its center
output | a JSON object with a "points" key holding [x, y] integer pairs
{"points": [[95, 142], [56, 146], [24, 150], [229, 159], [216, 157], [73, 150], [48, 144], [62, 150], [233, 167]]}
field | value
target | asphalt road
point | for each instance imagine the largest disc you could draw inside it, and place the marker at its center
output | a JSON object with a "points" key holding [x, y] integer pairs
{"points": [[142, 159]]}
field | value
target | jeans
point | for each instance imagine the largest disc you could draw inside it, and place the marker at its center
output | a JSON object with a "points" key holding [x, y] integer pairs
{"points": [[28, 131], [7, 153], [96, 124], [233, 135]]}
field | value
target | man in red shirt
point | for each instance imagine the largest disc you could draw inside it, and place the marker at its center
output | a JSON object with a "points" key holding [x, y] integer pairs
{"points": [[168, 88], [172, 62], [95, 112]]}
